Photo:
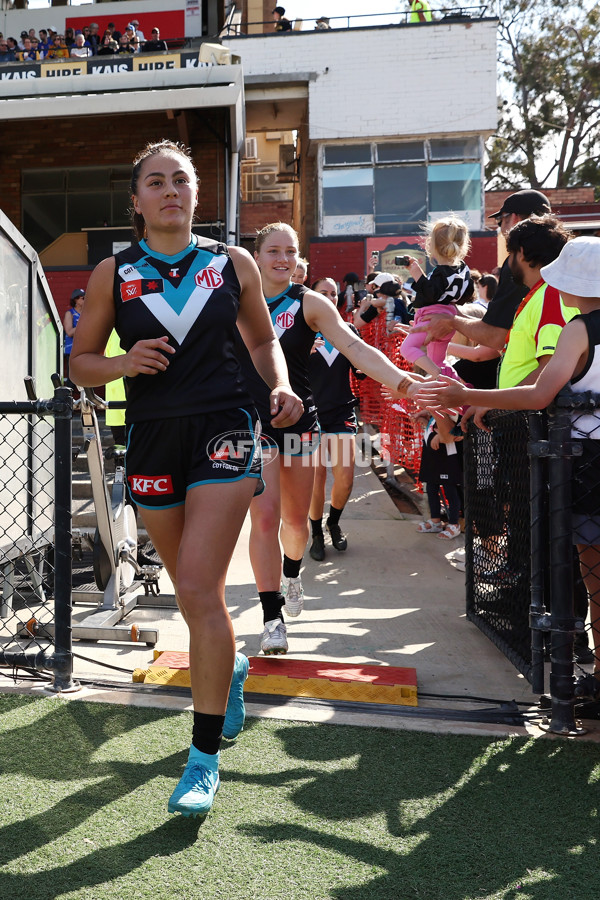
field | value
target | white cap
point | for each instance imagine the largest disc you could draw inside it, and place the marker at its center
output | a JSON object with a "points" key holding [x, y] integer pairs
{"points": [[381, 278], [577, 269]]}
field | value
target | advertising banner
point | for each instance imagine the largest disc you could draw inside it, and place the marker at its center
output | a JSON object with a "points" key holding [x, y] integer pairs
{"points": [[101, 65]]}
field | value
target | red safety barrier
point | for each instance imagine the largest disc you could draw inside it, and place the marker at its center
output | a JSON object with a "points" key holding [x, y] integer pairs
{"points": [[399, 435]]}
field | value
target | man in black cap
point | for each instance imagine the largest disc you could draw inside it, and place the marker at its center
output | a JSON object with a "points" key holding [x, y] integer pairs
{"points": [[281, 23], [491, 331]]}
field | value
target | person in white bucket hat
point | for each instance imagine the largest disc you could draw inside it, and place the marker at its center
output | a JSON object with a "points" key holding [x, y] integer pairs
{"points": [[576, 274]]}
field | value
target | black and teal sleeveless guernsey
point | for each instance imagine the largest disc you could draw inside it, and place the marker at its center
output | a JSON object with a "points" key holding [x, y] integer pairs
{"points": [[296, 338], [329, 373], [193, 298]]}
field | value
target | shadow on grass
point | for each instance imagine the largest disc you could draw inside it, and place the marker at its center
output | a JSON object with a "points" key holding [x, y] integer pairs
{"points": [[60, 746], [466, 817], [103, 865]]}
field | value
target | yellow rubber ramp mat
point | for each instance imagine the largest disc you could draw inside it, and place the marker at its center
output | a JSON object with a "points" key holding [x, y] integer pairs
{"points": [[317, 680]]}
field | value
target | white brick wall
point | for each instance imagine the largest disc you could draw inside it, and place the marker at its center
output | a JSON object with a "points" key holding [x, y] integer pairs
{"points": [[394, 81]]}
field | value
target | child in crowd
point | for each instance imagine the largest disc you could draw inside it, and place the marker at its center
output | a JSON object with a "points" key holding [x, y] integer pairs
{"points": [[576, 360], [447, 244], [441, 467]]}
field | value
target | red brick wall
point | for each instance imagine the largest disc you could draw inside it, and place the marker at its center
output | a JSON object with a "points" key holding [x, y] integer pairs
{"points": [[484, 253], [62, 283], [254, 216], [336, 258], [106, 140], [308, 227], [559, 198]]}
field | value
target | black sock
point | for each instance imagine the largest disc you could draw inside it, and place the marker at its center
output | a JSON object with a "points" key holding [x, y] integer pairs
{"points": [[272, 605], [207, 732], [334, 515], [291, 567], [316, 527]]}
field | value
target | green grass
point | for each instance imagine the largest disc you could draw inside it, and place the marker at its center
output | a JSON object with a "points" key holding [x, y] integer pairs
{"points": [[305, 812]]}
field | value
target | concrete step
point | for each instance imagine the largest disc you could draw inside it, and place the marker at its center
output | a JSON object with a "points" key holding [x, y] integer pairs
{"points": [[82, 486], [84, 513]]}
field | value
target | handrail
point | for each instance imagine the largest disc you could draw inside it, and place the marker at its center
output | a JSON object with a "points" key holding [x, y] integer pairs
{"points": [[441, 14]]}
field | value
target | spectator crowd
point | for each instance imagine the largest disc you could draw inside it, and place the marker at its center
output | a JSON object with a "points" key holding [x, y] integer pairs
{"points": [[49, 43]]}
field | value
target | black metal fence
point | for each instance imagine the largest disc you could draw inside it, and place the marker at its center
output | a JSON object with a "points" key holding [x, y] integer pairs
{"points": [[498, 549], [35, 537], [532, 499]]}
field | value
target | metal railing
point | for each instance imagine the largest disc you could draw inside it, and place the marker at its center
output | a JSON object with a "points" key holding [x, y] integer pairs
{"points": [[446, 15]]}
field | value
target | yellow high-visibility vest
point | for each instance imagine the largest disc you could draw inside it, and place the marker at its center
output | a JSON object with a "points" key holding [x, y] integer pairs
{"points": [[420, 11]]}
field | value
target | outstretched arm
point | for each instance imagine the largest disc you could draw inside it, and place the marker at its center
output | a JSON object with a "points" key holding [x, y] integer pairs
{"points": [[475, 354], [322, 316], [476, 330], [568, 359]]}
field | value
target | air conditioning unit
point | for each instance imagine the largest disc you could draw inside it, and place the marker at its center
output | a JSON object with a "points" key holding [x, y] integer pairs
{"points": [[250, 148], [214, 54], [263, 183], [288, 164], [265, 177]]}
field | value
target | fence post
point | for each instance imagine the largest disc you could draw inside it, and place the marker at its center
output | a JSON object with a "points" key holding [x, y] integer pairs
{"points": [[561, 572], [539, 548], [62, 668]]}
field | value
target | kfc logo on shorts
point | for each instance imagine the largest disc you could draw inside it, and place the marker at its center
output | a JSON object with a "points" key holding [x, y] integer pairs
{"points": [[209, 278], [284, 320], [150, 485]]}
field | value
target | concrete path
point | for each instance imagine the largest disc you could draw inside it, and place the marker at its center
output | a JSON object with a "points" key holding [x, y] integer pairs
{"points": [[391, 599]]}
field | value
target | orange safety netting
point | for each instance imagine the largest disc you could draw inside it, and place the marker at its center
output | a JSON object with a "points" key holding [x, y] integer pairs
{"points": [[399, 435]]}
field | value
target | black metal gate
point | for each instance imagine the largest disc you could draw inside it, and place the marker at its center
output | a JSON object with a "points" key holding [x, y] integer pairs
{"points": [[532, 500], [35, 537], [497, 535]]}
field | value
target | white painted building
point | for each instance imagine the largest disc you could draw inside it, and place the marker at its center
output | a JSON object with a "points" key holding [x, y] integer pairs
{"points": [[394, 117]]}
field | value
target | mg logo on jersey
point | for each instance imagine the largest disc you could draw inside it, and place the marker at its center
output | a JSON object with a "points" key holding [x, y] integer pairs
{"points": [[209, 278], [150, 485], [284, 320]]}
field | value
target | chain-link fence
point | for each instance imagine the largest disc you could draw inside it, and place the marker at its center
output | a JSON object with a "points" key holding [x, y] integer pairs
{"points": [[497, 528], [35, 536], [532, 498]]}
